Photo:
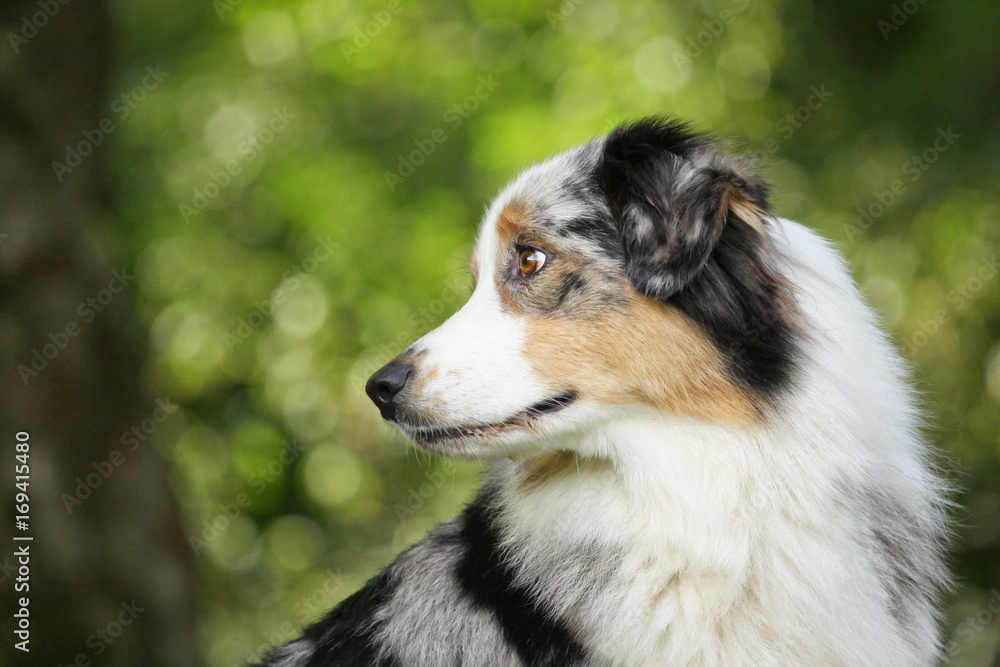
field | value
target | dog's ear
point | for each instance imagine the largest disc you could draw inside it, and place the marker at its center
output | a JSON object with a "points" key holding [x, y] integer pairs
{"points": [[672, 197]]}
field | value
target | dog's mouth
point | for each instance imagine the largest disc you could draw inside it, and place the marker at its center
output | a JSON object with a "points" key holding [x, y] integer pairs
{"points": [[427, 434]]}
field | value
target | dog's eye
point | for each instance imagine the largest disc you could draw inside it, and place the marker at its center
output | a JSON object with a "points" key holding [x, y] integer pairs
{"points": [[530, 261]]}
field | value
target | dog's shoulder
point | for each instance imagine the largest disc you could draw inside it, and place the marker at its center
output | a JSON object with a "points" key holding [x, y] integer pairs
{"points": [[347, 635], [454, 598]]}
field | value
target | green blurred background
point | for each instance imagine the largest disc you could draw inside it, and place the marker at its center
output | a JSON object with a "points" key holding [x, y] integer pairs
{"points": [[295, 187]]}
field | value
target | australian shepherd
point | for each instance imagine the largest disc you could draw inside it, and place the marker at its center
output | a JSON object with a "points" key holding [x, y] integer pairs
{"points": [[704, 450]]}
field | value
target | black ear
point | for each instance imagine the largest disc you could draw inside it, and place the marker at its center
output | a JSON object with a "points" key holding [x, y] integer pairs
{"points": [[692, 224], [672, 197]]}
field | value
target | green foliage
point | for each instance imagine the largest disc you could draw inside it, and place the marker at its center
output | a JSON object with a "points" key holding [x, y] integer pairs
{"points": [[300, 199]]}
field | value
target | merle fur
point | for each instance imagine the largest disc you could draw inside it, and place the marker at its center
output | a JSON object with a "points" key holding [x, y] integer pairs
{"points": [[668, 191]]}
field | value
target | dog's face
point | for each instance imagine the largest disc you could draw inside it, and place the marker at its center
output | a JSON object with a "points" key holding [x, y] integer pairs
{"points": [[631, 272]]}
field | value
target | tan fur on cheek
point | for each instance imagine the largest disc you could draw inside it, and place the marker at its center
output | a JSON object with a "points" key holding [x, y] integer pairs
{"points": [[647, 352]]}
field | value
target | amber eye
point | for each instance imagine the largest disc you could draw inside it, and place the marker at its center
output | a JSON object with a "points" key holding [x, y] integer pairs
{"points": [[530, 261]]}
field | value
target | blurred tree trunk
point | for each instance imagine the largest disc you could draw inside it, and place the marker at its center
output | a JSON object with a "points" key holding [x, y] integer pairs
{"points": [[122, 545]]}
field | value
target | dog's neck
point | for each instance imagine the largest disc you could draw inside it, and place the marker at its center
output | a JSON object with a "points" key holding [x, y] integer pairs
{"points": [[661, 525], [644, 481]]}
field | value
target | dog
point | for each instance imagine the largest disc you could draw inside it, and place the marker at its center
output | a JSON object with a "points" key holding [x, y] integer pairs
{"points": [[704, 450]]}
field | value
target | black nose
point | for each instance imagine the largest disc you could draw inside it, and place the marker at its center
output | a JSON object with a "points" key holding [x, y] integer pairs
{"points": [[385, 385]]}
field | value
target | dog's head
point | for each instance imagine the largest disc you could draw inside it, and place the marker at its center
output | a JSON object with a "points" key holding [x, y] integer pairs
{"points": [[632, 272]]}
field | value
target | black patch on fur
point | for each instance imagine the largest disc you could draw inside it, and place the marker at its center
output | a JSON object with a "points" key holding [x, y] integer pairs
{"points": [[347, 635], [597, 229], [683, 244], [540, 639], [742, 305], [636, 141], [572, 283]]}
